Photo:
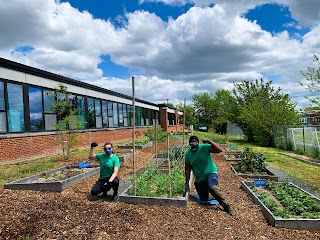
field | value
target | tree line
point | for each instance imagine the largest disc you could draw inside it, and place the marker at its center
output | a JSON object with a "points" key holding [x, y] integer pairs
{"points": [[253, 105]]}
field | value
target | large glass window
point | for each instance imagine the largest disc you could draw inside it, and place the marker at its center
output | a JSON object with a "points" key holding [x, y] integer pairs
{"points": [[91, 113], [130, 115], [98, 113], [110, 114], [81, 110], [3, 120], [120, 110], [15, 108], [115, 115], [138, 116], [50, 117], [125, 115], [35, 106], [2, 96], [104, 114]]}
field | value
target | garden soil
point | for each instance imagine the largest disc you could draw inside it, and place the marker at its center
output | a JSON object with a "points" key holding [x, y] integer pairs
{"points": [[69, 215]]}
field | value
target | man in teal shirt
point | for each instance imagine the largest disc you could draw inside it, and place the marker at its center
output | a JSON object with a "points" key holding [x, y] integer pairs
{"points": [[109, 167], [198, 159]]}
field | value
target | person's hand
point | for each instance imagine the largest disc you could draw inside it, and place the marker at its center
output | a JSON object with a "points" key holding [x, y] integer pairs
{"points": [[109, 183], [94, 144], [186, 189], [205, 140]]}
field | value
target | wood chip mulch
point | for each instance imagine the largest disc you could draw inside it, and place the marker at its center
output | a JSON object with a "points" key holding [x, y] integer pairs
{"points": [[69, 215]]}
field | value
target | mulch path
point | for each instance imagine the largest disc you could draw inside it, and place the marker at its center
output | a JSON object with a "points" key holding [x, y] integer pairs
{"points": [[69, 215]]}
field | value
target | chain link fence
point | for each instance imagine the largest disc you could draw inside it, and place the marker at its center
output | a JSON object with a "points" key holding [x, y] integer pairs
{"points": [[303, 140], [234, 130]]}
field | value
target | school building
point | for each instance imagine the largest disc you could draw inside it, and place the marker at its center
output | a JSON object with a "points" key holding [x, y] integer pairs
{"points": [[27, 122]]}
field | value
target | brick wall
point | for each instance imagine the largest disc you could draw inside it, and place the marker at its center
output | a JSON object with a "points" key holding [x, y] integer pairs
{"points": [[21, 148]]}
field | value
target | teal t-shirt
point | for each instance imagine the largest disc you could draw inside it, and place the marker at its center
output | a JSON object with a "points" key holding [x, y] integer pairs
{"points": [[107, 164], [201, 162]]}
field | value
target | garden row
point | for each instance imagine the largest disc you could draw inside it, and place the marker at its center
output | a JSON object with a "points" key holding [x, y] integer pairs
{"points": [[283, 203]]}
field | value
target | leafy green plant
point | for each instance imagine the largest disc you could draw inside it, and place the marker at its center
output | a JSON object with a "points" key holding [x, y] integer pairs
{"points": [[176, 154], [161, 134], [154, 183], [251, 162], [294, 202]]}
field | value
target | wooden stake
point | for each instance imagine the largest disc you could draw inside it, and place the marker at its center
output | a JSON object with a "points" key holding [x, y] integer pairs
{"points": [[134, 137]]}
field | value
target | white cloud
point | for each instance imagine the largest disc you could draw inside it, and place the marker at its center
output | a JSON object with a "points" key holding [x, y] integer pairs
{"points": [[205, 49]]}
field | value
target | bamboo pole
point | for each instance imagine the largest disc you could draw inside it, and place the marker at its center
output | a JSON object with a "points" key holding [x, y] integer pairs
{"points": [[169, 166], [184, 121], [134, 137], [156, 138]]}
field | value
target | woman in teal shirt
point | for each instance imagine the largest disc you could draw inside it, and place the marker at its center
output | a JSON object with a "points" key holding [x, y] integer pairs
{"points": [[109, 167]]}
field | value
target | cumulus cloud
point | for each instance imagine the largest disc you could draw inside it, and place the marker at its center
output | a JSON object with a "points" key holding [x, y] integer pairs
{"points": [[205, 49]]}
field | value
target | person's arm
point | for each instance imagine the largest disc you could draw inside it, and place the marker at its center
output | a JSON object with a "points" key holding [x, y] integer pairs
{"points": [[114, 174], [215, 147], [92, 156]]}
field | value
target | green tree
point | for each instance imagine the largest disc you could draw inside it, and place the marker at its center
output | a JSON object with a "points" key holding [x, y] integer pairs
{"points": [[190, 115], [204, 106], [260, 107], [68, 121], [312, 76], [223, 107]]}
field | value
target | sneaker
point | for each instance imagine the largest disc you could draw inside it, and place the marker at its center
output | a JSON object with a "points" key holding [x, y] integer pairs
{"points": [[228, 210], [92, 197], [115, 197]]}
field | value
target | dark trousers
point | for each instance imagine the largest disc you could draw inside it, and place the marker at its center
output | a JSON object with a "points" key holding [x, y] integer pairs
{"points": [[209, 186], [101, 186]]}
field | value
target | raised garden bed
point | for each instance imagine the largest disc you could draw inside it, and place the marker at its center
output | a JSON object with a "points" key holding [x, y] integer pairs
{"points": [[151, 187], [55, 180], [286, 205], [265, 174], [138, 145], [124, 156], [232, 157]]}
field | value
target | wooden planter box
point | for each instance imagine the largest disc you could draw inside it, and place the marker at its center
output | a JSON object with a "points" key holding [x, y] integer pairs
{"points": [[124, 157], [238, 153], [29, 183], [182, 201], [275, 221], [232, 157], [149, 144], [266, 175]]}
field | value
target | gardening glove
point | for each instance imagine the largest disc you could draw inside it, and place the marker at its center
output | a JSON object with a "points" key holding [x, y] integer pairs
{"points": [[109, 183], [94, 144], [186, 189], [205, 140]]}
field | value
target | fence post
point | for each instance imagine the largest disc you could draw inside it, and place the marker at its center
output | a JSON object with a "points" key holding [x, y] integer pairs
{"points": [[304, 143]]}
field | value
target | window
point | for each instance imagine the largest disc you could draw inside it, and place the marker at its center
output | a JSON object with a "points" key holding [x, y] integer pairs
{"points": [[50, 118], [130, 115], [125, 115], [104, 114], [81, 110], [138, 116], [110, 114], [3, 119], [15, 108], [115, 115], [36, 112], [91, 113], [120, 109], [98, 113]]}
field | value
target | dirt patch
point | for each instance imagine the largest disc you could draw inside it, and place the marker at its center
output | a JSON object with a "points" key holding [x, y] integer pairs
{"points": [[69, 215]]}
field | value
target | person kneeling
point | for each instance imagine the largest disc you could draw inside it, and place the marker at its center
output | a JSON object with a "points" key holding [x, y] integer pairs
{"points": [[109, 167]]}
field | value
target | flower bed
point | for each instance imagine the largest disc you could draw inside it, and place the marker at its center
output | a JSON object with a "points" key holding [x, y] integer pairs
{"points": [[55, 180], [123, 156], [232, 157], [286, 205]]}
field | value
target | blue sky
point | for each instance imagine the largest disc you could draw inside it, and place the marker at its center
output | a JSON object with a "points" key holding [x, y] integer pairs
{"points": [[174, 48]]}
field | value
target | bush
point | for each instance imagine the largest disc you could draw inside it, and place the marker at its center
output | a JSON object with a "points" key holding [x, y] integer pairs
{"points": [[161, 134]]}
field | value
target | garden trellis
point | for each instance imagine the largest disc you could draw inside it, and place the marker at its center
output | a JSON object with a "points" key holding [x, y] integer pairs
{"points": [[299, 139]]}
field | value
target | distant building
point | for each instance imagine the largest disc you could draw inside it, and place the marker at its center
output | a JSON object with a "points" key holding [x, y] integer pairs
{"points": [[27, 123], [310, 118]]}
